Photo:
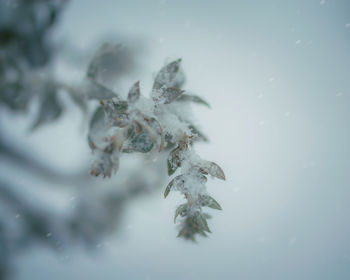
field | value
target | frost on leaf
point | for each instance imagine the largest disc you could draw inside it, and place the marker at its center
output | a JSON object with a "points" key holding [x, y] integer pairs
{"points": [[138, 140], [107, 155], [177, 183], [197, 134], [167, 95], [134, 93], [212, 169], [116, 112], [167, 76], [174, 160]]}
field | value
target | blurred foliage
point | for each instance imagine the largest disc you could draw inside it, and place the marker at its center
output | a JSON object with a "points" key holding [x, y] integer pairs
{"points": [[27, 56]]}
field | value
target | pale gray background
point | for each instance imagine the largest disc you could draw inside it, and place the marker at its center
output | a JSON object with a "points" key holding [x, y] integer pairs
{"points": [[277, 76]]}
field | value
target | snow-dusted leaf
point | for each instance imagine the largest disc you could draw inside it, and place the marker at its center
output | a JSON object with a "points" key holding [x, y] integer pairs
{"points": [[167, 75], [210, 202], [168, 95], [120, 106], [154, 129], [116, 112], [138, 140], [134, 93], [213, 169], [198, 135], [193, 98], [177, 182], [174, 160]]}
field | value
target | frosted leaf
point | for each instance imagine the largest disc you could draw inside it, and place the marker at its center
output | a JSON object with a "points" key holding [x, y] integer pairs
{"points": [[167, 95], [177, 183], [155, 130], [174, 160], [197, 134], [212, 168], [116, 112], [134, 93], [173, 126], [138, 140], [167, 75], [194, 186]]}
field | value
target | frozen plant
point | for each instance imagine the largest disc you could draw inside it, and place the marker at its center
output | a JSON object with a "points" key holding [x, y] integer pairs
{"points": [[158, 124]]}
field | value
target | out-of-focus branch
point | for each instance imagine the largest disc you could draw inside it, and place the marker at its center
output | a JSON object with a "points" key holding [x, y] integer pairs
{"points": [[23, 159]]}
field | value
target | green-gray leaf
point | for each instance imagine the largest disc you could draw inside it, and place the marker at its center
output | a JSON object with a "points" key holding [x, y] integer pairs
{"points": [[210, 202], [134, 93], [213, 169], [168, 188], [202, 222], [167, 75], [179, 210], [178, 180], [193, 98], [168, 95], [173, 161], [139, 142], [198, 134]]}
